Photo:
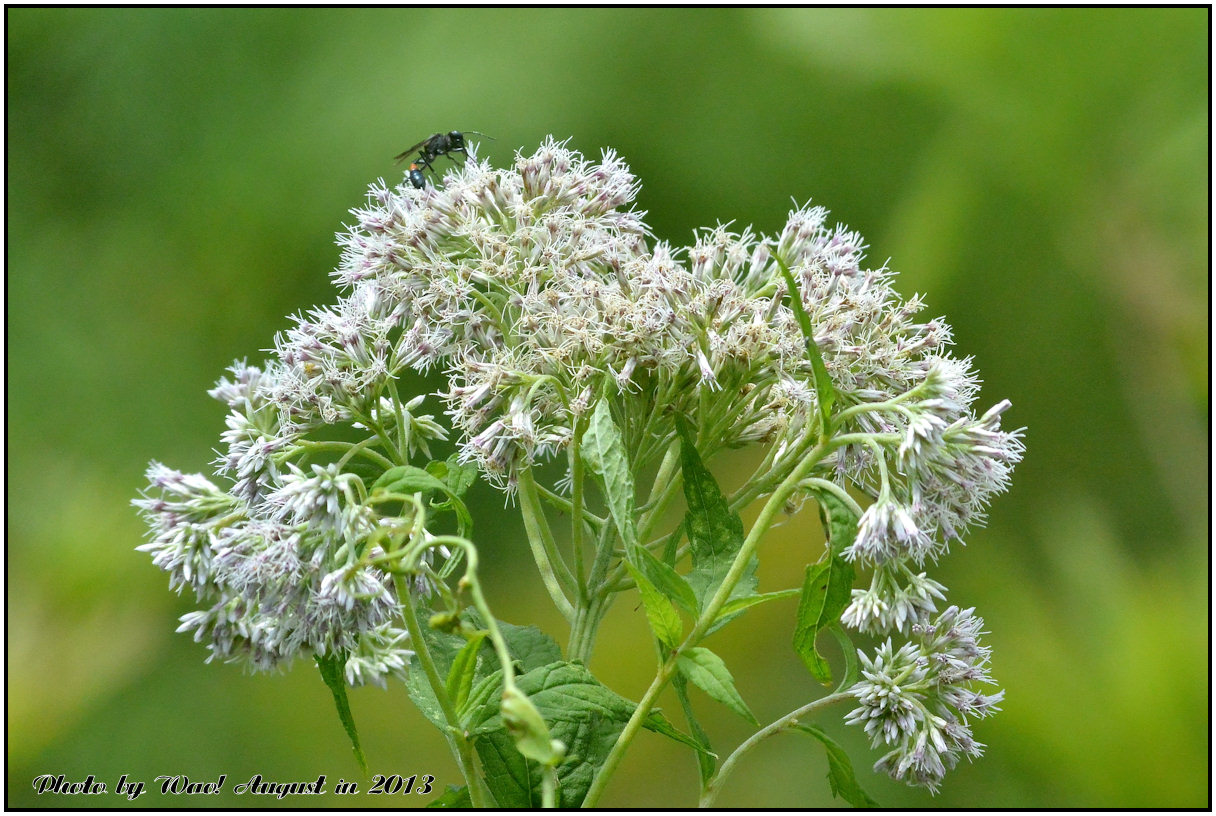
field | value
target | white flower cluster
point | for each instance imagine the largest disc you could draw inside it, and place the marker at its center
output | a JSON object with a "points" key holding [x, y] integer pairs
{"points": [[918, 699], [273, 559], [536, 291]]}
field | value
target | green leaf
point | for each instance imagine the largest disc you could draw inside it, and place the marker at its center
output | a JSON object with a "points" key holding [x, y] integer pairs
{"points": [[656, 722], [852, 669], [508, 773], [823, 384], [333, 672], [715, 534], [707, 760], [409, 479], [841, 778], [841, 528], [707, 672], [443, 648], [483, 691], [825, 593], [731, 608], [582, 713], [423, 697], [604, 454], [530, 648], [456, 796], [528, 645], [458, 476], [662, 616], [464, 667], [527, 727], [667, 580]]}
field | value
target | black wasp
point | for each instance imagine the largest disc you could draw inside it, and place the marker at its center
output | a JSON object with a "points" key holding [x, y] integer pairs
{"points": [[431, 148]]}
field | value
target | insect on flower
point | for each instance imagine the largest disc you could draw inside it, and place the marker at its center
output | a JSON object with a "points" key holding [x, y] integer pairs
{"points": [[431, 148]]}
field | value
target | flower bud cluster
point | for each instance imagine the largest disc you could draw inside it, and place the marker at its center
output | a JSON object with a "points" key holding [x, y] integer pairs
{"points": [[918, 700]]}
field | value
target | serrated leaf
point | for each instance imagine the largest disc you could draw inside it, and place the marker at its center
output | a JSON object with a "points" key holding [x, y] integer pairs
{"points": [[464, 667], [715, 534], [333, 672], [826, 592], [527, 727], [507, 773], [582, 713], [841, 528], [706, 671], [659, 724], [824, 389], [604, 454], [660, 614], [841, 778], [667, 580], [458, 476], [530, 648], [456, 796]]}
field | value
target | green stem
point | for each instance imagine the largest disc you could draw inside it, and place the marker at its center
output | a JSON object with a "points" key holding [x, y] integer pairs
{"points": [[347, 448], [542, 546], [403, 427], [470, 581], [548, 788], [582, 633], [836, 490], [665, 485], [773, 506], [576, 511], [631, 728], [788, 721], [564, 505], [462, 749]]}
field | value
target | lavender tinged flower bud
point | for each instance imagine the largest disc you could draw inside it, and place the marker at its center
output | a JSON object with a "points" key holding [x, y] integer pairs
{"points": [[897, 599], [917, 700], [186, 513], [887, 531]]}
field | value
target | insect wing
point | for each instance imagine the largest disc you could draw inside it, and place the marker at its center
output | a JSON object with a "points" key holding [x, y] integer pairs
{"points": [[405, 154]]}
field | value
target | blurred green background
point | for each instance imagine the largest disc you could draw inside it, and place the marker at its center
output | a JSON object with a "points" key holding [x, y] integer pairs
{"points": [[175, 178]]}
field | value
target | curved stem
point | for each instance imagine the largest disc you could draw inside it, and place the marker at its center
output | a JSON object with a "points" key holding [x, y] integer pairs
{"points": [[788, 721], [461, 747], [470, 581], [348, 448], [835, 489]]}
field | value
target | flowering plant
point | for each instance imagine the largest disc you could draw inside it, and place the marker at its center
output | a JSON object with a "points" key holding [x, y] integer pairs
{"points": [[592, 375]]}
